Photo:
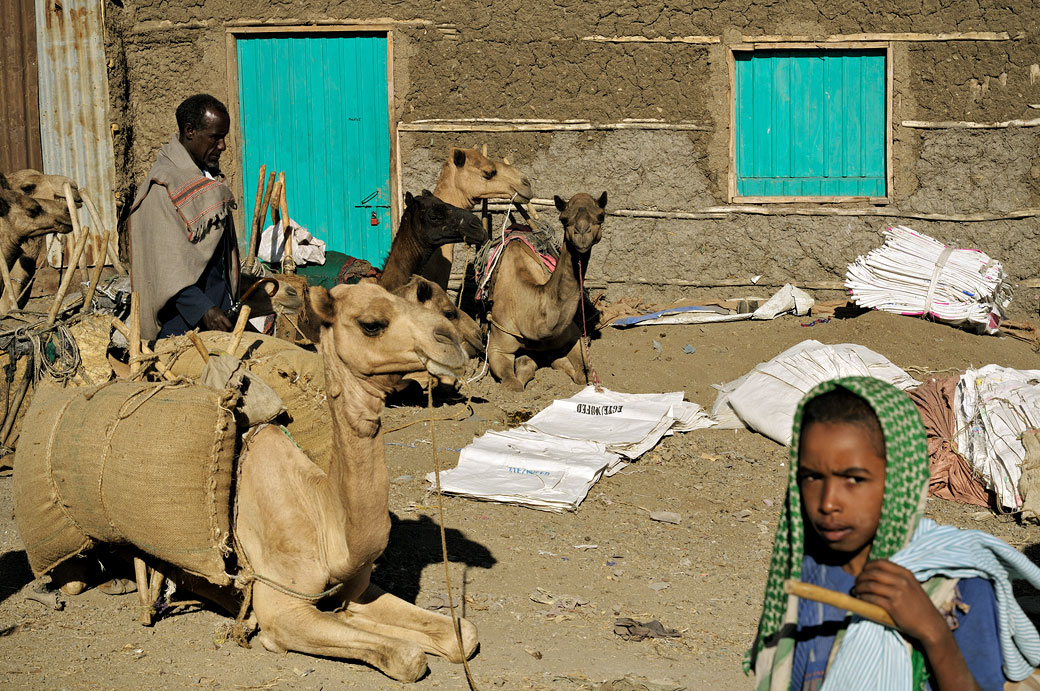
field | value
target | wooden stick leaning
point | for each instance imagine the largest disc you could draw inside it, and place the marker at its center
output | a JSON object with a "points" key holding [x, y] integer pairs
{"points": [[95, 275], [9, 300], [240, 327], [288, 265], [66, 280], [259, 219], [109, 251], [807, 591], [140, 567], [145, 350]]}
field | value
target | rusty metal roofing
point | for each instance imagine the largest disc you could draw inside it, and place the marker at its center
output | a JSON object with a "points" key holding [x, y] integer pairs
{"points": [[19, 100], [74, 125]]}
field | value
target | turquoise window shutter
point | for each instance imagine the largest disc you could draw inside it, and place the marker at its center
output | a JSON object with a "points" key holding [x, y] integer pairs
{"points": [[316, 107], [810, 122]]}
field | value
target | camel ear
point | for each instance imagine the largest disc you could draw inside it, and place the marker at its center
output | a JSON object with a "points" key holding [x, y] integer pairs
{"points": [[4, 184], [427, 193], [371, 280], [408, 197], [558, 201], [602, 200], [5, 207], [323, 304], [458, 157]]}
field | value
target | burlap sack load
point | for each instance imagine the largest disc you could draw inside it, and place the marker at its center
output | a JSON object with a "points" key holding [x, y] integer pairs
{"points": [[296, 375], [139, 463]]}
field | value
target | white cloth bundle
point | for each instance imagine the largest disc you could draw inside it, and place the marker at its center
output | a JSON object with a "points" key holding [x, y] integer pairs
{"points": [[994, 405], [765, 398], [915, 274]]}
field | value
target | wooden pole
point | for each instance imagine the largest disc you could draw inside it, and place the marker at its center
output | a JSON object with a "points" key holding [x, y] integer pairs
{"points": [[66, 280], [9, 301], [109, 251], [807, 591], [288, 265], [240, 327], [144, 591], [193, 336], [95, 275], [135, 334], [258, 222]]}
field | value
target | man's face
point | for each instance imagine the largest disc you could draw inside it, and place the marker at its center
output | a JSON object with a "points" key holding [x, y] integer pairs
{"points": [[842, 480], [206, 144]]}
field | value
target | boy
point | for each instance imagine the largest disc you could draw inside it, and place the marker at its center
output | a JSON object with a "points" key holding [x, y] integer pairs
{"points": [[856, 492]]}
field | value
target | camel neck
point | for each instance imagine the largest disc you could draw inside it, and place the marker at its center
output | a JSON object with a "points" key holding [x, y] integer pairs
{"points": [[357, 482], [565, 283], [407, 255]]}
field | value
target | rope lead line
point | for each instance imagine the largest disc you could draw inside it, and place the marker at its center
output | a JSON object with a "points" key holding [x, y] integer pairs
{"points": [[444, 542]]}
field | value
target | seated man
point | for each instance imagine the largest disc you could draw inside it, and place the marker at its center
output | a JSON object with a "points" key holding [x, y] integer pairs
{"points": [[852, 523], [183, 249]]}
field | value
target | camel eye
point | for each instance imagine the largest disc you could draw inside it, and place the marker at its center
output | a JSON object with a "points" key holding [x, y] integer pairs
{"points": [[451, 314], [372, 328], [488, 174], [600, 217]]}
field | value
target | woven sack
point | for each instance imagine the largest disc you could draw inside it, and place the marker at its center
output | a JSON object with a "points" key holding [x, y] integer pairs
{"points": [[297, 375], [132, 463]]}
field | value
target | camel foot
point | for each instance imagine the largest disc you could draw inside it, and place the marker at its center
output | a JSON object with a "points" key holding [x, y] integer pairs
{"points": [[525, 367]]}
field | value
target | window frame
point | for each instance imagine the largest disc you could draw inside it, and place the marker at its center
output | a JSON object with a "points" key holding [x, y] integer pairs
{"points": [[751, 46]]}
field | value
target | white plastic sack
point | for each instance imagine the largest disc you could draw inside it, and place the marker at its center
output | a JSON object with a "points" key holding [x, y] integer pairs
{"points": [[306, 248], [994, 406], [765, 398], [554, 459]]}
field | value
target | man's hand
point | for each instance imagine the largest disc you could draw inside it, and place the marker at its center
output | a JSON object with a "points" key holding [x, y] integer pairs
{"points": [[215, 320], [895, 589]]}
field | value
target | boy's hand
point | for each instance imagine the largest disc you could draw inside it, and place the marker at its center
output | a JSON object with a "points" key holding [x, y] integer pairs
{"points": [[895, 589]]}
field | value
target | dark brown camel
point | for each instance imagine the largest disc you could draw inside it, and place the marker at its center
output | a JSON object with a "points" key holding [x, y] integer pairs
{"points": [[426, 224]]}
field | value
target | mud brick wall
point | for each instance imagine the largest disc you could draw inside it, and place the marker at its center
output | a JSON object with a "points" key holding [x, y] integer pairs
{"points": [[456, 59]]}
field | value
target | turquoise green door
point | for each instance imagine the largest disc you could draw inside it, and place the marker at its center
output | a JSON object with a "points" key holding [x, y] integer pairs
{"points": [[316, 108]]}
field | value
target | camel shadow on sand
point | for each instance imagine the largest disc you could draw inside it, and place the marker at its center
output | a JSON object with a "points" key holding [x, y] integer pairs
{"points": [[414, 545]]}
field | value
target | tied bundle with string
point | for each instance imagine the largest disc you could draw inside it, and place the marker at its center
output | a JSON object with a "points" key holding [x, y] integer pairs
{"points": [[916, 275]]}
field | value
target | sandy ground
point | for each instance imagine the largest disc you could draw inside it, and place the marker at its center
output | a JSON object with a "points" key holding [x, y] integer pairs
{"points": [[703, 576]]}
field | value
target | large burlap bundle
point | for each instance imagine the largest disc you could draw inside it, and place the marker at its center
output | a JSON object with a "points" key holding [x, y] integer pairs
{"points": [[134, 463], [296, 375]]}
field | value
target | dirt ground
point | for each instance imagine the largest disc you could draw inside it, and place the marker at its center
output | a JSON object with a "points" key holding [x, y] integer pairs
{"points": [[704, 576]]}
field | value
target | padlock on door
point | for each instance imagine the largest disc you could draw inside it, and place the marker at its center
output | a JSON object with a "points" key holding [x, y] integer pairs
{"points": [[374, 220]]}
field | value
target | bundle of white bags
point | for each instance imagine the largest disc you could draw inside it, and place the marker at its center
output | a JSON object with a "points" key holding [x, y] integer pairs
{"points": [[994, 406], [915, 274]]}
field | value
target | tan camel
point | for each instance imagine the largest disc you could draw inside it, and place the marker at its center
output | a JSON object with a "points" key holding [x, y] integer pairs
{"points": [[465, 177], [533, 310], [308, 530], [31, 205]]}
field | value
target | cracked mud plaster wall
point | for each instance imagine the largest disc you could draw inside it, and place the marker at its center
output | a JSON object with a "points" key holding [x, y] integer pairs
{"points": [[513, 60]]}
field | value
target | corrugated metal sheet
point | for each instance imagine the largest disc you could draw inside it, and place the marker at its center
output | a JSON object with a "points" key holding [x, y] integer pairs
{"points": [[19, 94], [74, 124], [811, 122]]}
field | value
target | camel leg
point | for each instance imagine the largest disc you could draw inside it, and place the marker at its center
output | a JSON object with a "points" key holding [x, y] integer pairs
{"points": [[289, 623], [573, 363], [377, 611], [501, 352]]}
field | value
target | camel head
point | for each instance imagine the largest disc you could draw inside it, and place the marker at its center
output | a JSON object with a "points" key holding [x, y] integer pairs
{"points": [[443, 223], [23, 217], [373, 333], [582, 218], [40, 186], [430, 295], [468, 175]]}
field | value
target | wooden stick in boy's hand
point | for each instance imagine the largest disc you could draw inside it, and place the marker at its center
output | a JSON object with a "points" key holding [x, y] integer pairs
{"points": [[807, 591]]}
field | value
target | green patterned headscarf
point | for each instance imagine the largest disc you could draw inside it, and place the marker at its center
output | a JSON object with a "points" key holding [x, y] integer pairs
{"points": [[906, 486]]}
